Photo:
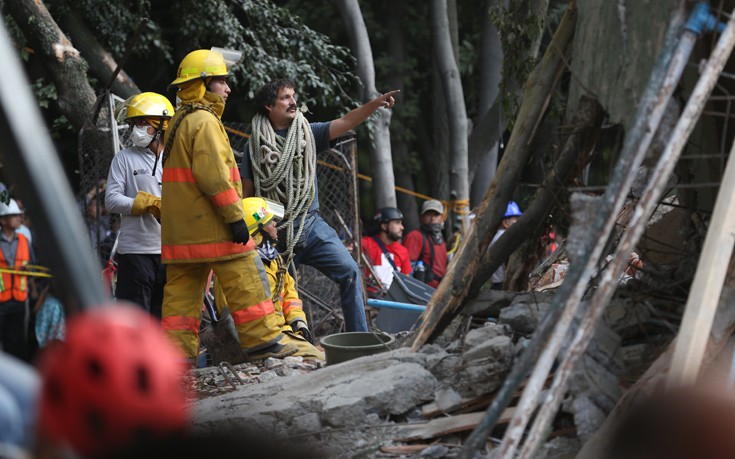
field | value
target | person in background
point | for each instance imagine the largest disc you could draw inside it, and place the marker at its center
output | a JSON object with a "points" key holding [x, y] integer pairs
{"points": [[50, 324], [203, 225], [134, 192], [15, 254], [384, 249], [426, 244], [25, 223], [280, 130], [512, 212], [96, 218]]}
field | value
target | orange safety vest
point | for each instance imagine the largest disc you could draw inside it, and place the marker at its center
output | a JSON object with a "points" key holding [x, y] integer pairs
{"points": [[15, 286]]}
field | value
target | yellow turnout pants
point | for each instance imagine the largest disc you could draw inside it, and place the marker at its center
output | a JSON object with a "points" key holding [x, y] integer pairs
{"points": [[246, 287]]}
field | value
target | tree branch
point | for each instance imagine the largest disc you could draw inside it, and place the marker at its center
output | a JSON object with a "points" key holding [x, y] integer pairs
{"points": [[68, 70]]}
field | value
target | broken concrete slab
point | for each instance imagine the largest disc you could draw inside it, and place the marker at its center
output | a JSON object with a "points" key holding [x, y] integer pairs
{"points": [[358, 402], [524, 314]]}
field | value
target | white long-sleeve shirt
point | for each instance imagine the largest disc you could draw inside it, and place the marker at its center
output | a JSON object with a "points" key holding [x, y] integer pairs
{"points": [[499, 275], [131, 171]]}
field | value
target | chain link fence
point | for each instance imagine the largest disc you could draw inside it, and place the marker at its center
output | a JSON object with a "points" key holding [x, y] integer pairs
{"points": [[99, 140]]}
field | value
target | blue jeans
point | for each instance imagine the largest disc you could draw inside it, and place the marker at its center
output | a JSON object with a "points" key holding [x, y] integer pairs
{"points": [[320, 247]]}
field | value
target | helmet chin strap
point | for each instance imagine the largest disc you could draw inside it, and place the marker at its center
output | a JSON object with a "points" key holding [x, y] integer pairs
{"points": [[157, 136]]}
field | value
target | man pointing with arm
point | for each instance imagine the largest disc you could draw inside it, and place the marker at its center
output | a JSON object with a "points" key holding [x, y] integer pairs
{"points": [[281, 165]]}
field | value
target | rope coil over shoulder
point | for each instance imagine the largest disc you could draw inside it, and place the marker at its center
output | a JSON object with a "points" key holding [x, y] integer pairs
{"points": [[187, 109], [284, 170]]}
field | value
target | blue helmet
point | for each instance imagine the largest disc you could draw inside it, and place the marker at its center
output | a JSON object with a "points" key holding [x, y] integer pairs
{"points": [[513, 210]]}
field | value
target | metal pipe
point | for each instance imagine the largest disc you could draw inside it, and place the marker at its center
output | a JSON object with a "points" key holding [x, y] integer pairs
{"points": [[395, 305]]}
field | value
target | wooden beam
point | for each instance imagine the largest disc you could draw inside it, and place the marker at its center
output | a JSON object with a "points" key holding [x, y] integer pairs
{"points": [[445, 426], [705, 291]]}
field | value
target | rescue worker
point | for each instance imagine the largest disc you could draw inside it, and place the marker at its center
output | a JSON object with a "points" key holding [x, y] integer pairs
{"points": [[262, 215], [426, 244], [203, 224], [384, 249], [15, 254], [512, 212], [134, 191]]}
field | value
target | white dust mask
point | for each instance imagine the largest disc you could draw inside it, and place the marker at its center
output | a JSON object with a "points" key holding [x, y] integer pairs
{"points": [[140, 136]]}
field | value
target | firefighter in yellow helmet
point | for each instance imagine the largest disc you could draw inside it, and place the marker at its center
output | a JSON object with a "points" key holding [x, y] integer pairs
{"points": [[261, 216], [203, 224], [134, 191]]}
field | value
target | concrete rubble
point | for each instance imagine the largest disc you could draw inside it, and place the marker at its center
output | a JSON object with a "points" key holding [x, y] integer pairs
{"points": [[358, 406], [423, 404]]}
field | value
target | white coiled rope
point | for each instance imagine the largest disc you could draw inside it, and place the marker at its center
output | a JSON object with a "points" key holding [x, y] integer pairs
{"points": [[284, 170]]}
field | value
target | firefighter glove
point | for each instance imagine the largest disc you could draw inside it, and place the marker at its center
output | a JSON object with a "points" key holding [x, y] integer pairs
{"points": [[146, 203], [240, 234], [299, 326]]}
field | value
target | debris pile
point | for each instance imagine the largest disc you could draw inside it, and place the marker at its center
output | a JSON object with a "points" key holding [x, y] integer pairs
{"points": [[395, 403], [424, 404]]}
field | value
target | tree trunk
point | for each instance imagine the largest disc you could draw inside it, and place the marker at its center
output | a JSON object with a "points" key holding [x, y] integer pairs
{"points": [[68, 70], [380, 157], [456, 111], [491, 62], [101, 63], [435, 142], [453, 289], [397, 53], [490, 123]]}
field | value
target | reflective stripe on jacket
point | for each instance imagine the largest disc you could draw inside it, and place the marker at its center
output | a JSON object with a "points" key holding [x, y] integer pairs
{"points": [[202, 190], [15, 286]]}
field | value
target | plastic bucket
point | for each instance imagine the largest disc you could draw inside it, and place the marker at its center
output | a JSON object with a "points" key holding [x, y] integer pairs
{"points": [[341, 347]]}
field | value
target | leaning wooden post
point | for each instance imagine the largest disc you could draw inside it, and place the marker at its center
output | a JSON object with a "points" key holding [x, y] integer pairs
{"points": [[641, 215], [552, 330], [446, 302], [705, 291]]}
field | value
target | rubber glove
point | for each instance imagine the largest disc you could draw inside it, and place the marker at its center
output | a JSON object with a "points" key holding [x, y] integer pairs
{"points": [[146, 203], [300, 327], [240, 234]]}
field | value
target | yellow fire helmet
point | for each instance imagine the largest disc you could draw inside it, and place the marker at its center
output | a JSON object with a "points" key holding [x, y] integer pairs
{"points": [[259, 212], [202, 63], [150, 105]]}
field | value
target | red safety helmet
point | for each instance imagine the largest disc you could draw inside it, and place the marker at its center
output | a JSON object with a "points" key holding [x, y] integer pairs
{"points": [[114, 380]]}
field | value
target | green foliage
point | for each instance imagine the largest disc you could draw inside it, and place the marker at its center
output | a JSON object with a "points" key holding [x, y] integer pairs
{"points": [[278, 44], [45, 92], [61, 124], [519, 29], [114, 24], [275, 43]]}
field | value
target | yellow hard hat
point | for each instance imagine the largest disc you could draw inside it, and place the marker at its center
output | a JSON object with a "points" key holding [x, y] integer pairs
{"points": [[259, 212], [147, 105], [202, 63]]}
